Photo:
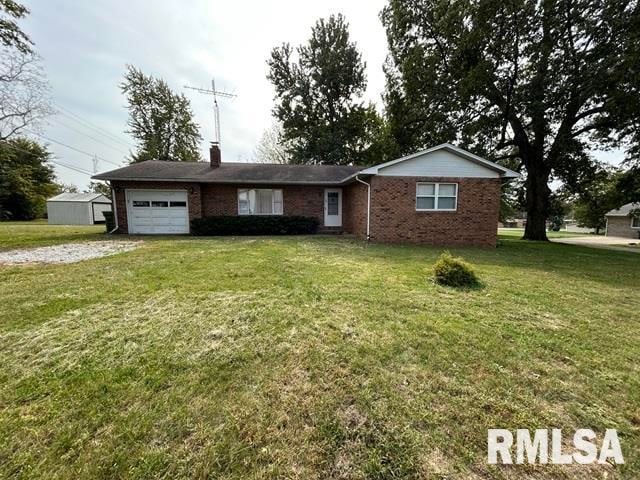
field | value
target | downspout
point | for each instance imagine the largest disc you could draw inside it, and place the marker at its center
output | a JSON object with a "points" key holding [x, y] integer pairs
{"points": [[115, 209], [368, 206]]}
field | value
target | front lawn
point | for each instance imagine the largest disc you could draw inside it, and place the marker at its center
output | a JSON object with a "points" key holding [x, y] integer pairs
{"points": [[310, 358], [39, 234]]}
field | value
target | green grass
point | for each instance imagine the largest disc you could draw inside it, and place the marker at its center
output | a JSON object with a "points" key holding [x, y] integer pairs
{"points": [[310, 358], [38, 234]]}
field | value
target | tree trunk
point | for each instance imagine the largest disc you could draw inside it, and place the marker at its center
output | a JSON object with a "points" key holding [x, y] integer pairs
{"points": [[537, 203]]}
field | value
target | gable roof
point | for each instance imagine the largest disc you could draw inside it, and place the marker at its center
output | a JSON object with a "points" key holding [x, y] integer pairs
{"points": [[502, 171], [77, 197], [269, 173], [229, 172], [624, 210]]}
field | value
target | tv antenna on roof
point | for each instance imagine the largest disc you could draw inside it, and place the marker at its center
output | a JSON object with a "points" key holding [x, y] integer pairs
{"points": [[216, 109]]}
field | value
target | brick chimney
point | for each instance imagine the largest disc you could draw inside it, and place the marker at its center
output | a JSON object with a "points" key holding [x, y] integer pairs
{"points": [[215, 157]]}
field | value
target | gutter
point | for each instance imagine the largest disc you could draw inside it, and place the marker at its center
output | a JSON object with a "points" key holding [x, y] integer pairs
{"points": [[229, 182], [368, 206], [115, 209]]}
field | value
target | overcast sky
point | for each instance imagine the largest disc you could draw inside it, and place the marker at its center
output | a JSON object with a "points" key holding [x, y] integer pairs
{"points": [[86, 45]]}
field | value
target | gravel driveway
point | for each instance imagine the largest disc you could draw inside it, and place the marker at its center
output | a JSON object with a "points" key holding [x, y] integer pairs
{"points": [[67, 252]]}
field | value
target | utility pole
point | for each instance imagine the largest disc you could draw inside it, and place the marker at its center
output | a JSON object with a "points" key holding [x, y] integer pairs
{"points": [[95, 163], [216, 110]]}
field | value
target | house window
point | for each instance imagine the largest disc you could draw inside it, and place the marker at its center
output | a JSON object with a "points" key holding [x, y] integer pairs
{"points": [[437, 196], [635, 222], [260, 201]]}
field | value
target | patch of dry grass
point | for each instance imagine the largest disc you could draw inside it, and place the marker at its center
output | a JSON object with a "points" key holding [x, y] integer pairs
{"points": [[312, 358]]}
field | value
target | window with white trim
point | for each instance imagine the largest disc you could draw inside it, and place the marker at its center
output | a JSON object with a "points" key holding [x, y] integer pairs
{"points": [[260, 201], [436, 196], [635, 222]]}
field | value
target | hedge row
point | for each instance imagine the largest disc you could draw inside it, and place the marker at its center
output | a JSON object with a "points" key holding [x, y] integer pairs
{"points": [[254, 225]]}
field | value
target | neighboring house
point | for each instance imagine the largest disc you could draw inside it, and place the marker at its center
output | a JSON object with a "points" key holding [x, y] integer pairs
{"points": [[77, 208], [620, 223], [571, 225], [443, 195]]}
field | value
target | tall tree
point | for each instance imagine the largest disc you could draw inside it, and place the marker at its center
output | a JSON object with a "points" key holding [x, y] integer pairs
{"points": [[318, 98], [24, 92], [11, 35], [160, 120], [540, 81], [26, 179]]}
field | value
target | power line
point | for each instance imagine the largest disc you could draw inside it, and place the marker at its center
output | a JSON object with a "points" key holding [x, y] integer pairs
{"points": [[91, 155], [77, 118], [92, 138], [50, 159], [10, 145], [71, 167]]}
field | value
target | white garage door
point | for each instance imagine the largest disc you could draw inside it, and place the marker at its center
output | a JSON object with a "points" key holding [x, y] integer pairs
{"points": [[157, 211]]}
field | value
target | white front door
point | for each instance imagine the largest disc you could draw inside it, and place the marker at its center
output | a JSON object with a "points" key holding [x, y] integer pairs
{"points": [[157, 211], [333, 207]]}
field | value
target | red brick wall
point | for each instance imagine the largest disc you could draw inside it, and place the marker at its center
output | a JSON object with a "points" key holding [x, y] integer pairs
{"points": [[393, 214], [394, 217], [219, 199], [194, 199], [354, 211], [621, 227], [222, 199]]}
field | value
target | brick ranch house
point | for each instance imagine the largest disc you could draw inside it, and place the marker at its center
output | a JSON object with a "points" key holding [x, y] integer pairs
{"points": [[440, 196], [620, 222]]}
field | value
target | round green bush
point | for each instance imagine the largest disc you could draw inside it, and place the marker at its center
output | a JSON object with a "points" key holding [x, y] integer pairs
{"points": [[454, 272]]}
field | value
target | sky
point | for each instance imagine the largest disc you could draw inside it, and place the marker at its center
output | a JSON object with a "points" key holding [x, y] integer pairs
{"points": [[86, 45]]}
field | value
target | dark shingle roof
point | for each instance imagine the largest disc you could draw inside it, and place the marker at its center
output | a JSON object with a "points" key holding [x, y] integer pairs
{"points": [[231, 173]]}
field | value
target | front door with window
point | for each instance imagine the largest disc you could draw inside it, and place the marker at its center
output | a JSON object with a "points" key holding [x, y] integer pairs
{"points": [[333, 207]]}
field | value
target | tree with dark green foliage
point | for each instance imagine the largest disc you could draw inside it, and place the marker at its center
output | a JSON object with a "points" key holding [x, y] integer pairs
{"points": [[627, 187], [318, 99], [26, 180], [11, 35], [542, 82], [160, 120], [595, 199]]}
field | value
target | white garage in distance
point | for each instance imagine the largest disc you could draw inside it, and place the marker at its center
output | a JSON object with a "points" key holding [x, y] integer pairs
{"points": [[77, 208]]}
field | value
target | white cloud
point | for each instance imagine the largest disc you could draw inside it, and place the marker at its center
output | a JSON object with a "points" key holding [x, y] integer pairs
{"points": [[86, 46]]}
